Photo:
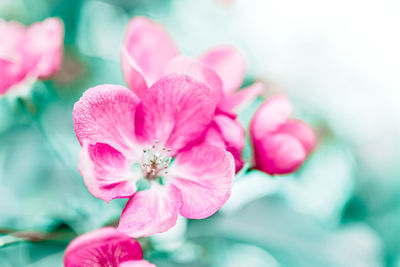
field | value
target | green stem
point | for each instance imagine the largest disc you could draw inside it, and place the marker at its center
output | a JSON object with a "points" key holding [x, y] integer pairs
{"points": [[12, 237]]}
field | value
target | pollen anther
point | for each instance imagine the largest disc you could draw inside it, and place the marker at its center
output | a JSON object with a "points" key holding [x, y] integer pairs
{"points": [[155, 161]]}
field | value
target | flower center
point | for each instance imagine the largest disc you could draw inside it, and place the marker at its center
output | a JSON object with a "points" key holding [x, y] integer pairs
{"points": [[155, 161]]}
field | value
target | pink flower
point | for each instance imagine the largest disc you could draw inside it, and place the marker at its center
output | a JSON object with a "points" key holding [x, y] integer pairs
{"points": [[105, 247], [29, 53], [148, 53], [280, 144], [148, 150]]}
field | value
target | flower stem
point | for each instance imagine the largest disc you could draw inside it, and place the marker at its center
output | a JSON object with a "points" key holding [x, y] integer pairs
{"points": [[15, 237]]}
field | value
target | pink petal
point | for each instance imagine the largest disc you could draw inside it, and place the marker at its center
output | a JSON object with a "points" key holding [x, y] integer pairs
{"points": [[229, 64], [176, 111], [102, 248], [234, 136], [43, 46], [232, 131], [302, 131], [242, 97], [227, 133], [15, 32], [150, 47], [151, 211], [11, 74], [214, 137], [237, 156], [204, 175], [132, 73], [197, 70], [12, 69], [141, 263], [106, 114], [270, 116], [106, 172], [278, 154]]}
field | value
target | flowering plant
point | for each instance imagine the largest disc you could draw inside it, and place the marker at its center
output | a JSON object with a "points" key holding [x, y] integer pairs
{"points": [[29, 53], [104, 247], [151, 145], [168, 143]]}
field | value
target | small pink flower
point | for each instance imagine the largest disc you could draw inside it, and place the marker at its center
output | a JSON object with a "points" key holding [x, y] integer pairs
{"points": [[105, 247], [280, 144], [148, 53], [29, 53], [153, 143]]}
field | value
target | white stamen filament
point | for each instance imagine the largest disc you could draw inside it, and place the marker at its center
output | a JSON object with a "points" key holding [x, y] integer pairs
{"points": [[155, 161]]}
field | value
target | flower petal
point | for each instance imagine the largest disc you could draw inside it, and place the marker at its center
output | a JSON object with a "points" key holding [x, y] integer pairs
{"points": [[237, 155], [204, 175], [271, 115], [150, 47], [197, 70], [12, 68], [141, 263], [103, 247], [151, 211], [11, 73], [234, 136], [226, 132], [278, 154], [176, 111], [229, 64], [302, 131], [15, 32], [231, 130], [106, 114], [242, 97], [132, 73], [213, 137], [43, 44], [106, 172]]}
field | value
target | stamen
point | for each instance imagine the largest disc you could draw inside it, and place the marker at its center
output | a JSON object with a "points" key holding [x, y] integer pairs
{"points": [[155, 161]]}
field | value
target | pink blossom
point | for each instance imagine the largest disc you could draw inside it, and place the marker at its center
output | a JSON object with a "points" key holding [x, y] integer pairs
{"points": [[280, 144], [29, 53], [154, 143], [148, 53], [105, 247]]}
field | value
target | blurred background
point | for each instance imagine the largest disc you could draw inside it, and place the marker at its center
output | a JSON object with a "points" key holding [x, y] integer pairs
{"points": [[338, 61]]}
